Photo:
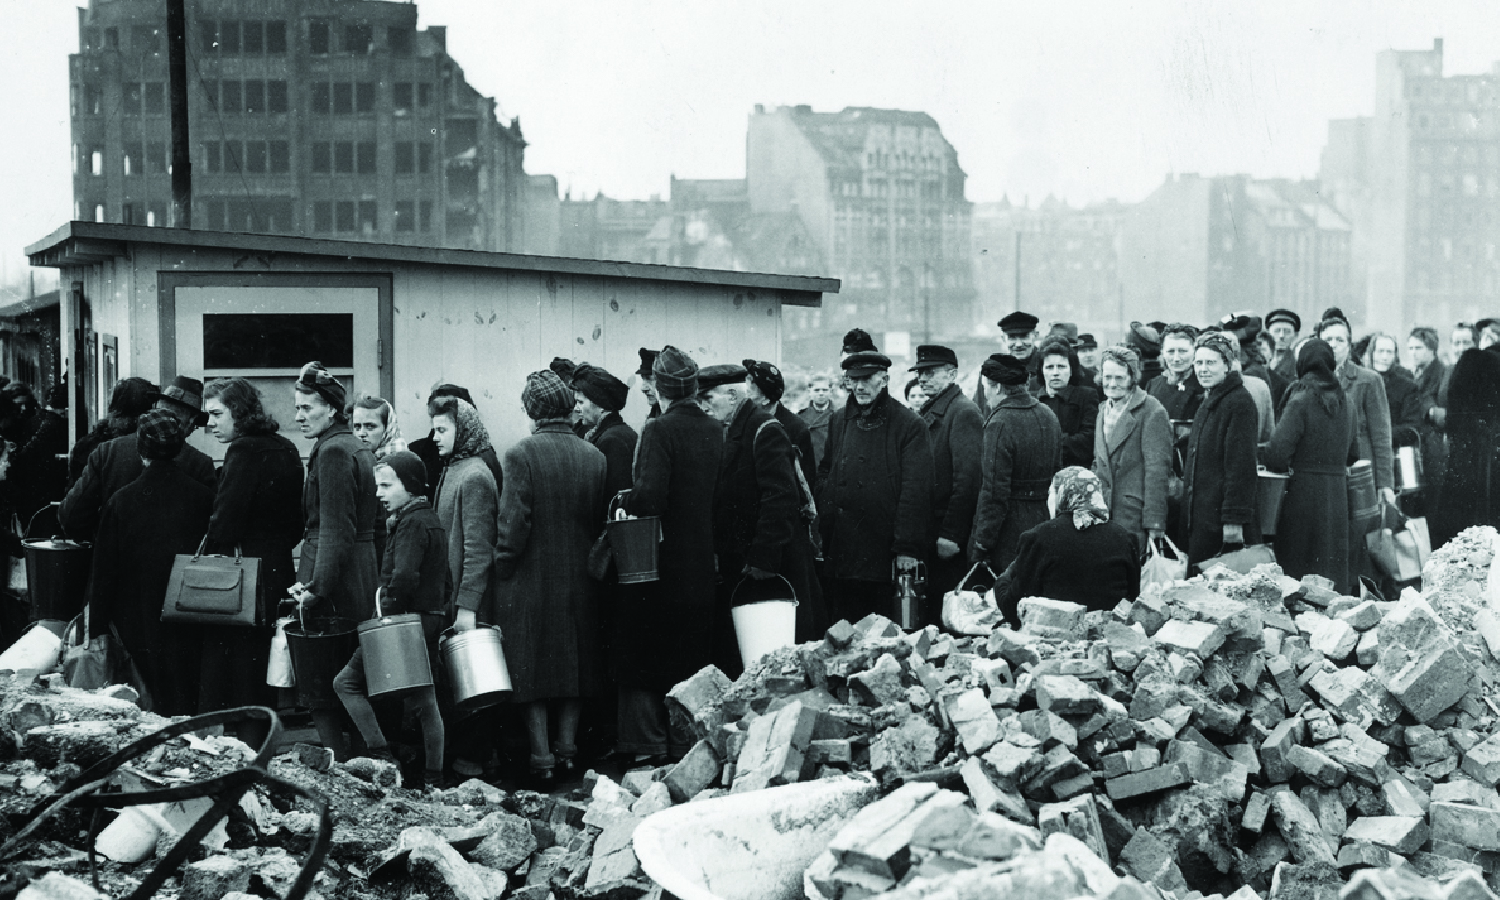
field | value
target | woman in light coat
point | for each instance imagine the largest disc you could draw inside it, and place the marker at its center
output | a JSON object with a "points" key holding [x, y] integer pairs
{"points": [[1132, 448]]}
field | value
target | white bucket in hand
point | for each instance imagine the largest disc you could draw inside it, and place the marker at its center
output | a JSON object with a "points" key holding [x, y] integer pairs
{"points": [[763, 627]]}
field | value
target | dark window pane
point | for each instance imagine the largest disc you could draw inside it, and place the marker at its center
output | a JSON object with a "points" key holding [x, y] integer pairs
{"points": [[400, 40], [156, 158], [276, 96], [145, 39], [401, 95], [156, 214], [233, 156], [277, 340], [278, 215], [215, 214], [240, 216], [343, 158], [112, 38], [281, 157], [367, 220], [255, 157], [424, 94], [155, 100], [212, 161], [367, 158], [357, 39], [93, 100], [255, 96], [208, 37], [229, 97], [405, 162], [322, 158], [365, 96], [343, 98], [253, 38], [130, 160], [345, 215], [317, 37], [406, 215], [426, 223], [323, 216], [229, 38], [130, 98], [320, 102], [276, 38], [425, 163], [211, 93]]}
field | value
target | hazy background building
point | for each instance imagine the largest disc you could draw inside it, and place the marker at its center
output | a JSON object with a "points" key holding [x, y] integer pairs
{"points": [[319, 117]]}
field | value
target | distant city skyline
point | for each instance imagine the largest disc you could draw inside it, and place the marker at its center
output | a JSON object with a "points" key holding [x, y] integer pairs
{"points": [[1082, 101]]}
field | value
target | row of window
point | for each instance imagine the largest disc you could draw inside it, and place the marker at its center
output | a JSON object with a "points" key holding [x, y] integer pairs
{"points": [[262, 158], [247, 157], [255, 96], [342, 98], [241, 37], [257, 37], [359, 157], [250, 97], [273, 214], [331, 216]]}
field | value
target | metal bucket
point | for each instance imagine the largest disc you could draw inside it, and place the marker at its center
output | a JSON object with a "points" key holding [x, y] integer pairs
{"points": [[1272, 487], [1364, 501], [57, 577], [319, 653], [636, 546], [395, 655], [1181, 428], [475, 663], [1408, 473]]}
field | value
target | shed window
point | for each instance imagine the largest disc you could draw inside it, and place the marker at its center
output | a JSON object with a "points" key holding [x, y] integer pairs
{"points": [[277, 340]]}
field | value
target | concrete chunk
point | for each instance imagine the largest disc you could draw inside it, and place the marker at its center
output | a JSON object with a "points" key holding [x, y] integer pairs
{"points": [[1136, 784], [1471, 826], [1300, 828], [1482, 762], [1202, 638], [1402, 834], [1420, 662]]}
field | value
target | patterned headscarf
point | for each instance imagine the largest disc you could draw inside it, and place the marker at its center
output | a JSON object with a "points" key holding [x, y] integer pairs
{"points": [[1079, 492], [1220, 343], [392, 442], [471, 438]]}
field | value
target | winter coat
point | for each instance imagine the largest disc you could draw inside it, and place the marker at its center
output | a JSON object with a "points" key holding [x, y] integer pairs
{"points": [[142, 528], [874, 490], [1312, 531], [1180, 400], [1077, 411], [547, 604], [427, 450], [1097, 566], [955, 430], [414, 575], [817, 428], [758, 517], [1220, 482], [801, 437], [1022, 441], [338, 511], [1432, 395], [1133, 459], [1471, 482], [666, 629], [37, 476], [1265, 406], [1403, 398], [616, 441], [466, 505], [111, 466], [1372, 420]]}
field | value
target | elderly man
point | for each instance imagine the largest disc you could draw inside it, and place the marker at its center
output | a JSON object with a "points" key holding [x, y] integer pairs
{"points": [[765, 386], [1022, 443], [760, 534], [874, 493], [955, 430]]}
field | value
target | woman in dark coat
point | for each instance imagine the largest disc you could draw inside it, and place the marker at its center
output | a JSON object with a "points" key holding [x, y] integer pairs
{"points": [[1075, 405], [1403, 396], [600, 397], [1471, 484], [1315, 438], [142, 528], [666, 631], [336, 573], [1219, 484], [257, 513], [1078, 555], [1432, 376], [1021, 446], [549, 517]]}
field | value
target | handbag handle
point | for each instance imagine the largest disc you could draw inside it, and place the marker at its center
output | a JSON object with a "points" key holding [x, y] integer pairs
{"points": [[975, 568], [743, 578], [204, 543]]}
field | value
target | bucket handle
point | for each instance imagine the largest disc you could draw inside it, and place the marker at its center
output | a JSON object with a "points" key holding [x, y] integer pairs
{"points": [[204, 543], [744, 578], [615, 505]]}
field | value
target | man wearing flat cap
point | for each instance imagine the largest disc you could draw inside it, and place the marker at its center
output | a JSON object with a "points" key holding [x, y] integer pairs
{"points": [[762, 538], [765, 386], [1284, 326], [955, 430], [874, 493], [1245, 328], [600, 397], [117, 463]]}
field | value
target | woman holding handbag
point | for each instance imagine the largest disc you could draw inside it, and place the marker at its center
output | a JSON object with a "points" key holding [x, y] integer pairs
{"points": [[258, 515]]}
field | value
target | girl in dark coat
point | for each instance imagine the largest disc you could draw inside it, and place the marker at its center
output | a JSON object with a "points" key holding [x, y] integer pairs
{"points": [[1078, 555], [143, 527], [1219, 475], [257, 512], [1021, 446], [1471, 484], [336, 573], [1315, 438]]}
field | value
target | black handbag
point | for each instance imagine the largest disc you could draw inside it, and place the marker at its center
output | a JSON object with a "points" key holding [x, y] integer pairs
{"points": [[213, 589]]}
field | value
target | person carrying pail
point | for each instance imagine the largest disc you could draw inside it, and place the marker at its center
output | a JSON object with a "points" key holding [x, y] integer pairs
{"points": [[413, 578]]}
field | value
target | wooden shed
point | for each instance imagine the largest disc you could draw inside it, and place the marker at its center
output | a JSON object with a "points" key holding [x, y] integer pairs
{"points": [[393, 321]]}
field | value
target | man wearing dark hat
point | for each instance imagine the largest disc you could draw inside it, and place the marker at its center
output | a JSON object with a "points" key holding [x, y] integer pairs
{"points": [[765, 386], [648, 382], [39, 467], [118, 462], [665, 633], [955, 430], [1088, 355], [600, 397], [874, 493], [1022, 442], [760, 530], [1284, 326], [1020, 330], [1145, 340], [1246, 329]]}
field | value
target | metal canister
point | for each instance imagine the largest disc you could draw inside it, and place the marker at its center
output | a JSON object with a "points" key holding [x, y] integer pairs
{"points": [[911, 588], [1408, 472], [395, 655], [475, 663]]}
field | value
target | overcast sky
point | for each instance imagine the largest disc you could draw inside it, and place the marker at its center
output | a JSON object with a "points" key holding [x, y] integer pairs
{"points": [[1083, 100]]}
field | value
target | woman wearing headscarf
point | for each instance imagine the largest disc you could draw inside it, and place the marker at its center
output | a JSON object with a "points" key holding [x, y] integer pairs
{"points": [[336, 572], [373, 421], [1132, 448], [1078, 555], [1315, 439], [1219, 482], [1403, 397], [545, 600], [1022, 441], [142, 528], [599, 398]]}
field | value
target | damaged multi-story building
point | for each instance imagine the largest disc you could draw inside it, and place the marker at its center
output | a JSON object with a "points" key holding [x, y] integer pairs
{"points": [[336, 118]]}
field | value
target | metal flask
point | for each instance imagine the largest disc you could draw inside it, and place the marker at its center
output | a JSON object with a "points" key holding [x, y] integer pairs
{"points": [[911, 588]]}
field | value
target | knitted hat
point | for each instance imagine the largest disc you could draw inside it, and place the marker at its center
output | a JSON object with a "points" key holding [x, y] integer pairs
{"points": [[857, 340], [605, 390], [766, 377], [546, 396], [315, 379], [160, 434], [1004, 368], [676, 374], [408, 467]]}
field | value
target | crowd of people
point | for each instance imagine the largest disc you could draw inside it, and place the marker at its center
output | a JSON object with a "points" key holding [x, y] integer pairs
{"points": [[1054, 473]]}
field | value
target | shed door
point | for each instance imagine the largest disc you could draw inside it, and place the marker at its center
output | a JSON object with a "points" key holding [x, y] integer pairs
{"points": [[266, 332]]}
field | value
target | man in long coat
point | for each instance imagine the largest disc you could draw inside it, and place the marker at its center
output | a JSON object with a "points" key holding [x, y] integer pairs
{"points": [[955, 429], [666, 632], [874, 493], [1022, 441]]}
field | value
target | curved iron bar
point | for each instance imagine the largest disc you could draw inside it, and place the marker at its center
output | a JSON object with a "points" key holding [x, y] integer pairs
{"points": [[83, 790]]}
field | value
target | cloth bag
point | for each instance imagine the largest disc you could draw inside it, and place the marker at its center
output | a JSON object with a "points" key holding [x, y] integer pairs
{"points": [[15, 580], [88, 663], [971, 612], [279, 672], [1397, 549], [1159, 568], [213, 589], [1241, 560]]}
